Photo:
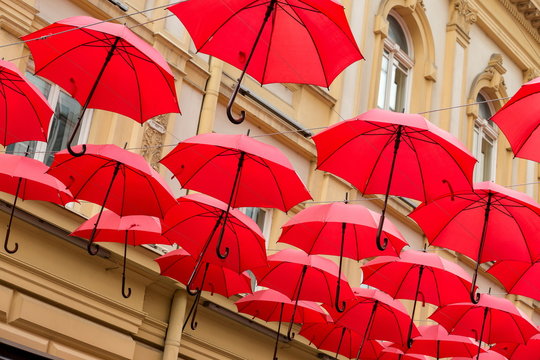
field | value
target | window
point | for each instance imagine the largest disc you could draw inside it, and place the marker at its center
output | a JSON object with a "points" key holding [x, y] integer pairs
{"points": [[395, 68], [66, 112], [262, 217], [484, 142]]}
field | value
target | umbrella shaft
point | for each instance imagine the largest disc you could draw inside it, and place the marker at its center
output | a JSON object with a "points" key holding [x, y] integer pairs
{"points": [[481, 333], [340, 340], [481, 246], [8, 230], [409, 335], [278, 331], [368, 327], [300, 282]]}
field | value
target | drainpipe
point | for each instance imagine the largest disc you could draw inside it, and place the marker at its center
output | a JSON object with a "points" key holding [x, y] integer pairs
{"points": [[174, 331], [210, 101]]}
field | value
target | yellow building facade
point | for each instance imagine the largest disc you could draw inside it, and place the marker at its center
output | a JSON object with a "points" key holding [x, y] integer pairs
{"points": [[454, 61]]}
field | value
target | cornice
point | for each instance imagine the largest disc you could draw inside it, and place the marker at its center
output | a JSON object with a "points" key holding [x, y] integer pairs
{"points": [[527, 13]]}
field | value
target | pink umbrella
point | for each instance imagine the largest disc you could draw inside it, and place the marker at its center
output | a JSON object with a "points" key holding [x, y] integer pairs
{"points": [[518, 277]]}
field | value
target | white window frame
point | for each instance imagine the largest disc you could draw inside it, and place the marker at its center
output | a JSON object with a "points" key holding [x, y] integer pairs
{"points": [[482, 129]]}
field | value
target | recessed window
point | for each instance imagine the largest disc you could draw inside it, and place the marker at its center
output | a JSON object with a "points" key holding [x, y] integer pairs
{"points": [[484, 141]]}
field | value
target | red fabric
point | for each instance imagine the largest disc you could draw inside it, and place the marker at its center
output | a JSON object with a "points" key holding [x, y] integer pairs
{"points": [[318, 230], [141, 229], [327, 336], [360, 151], [391, 353], [266, 305], [504, 322], [190, 223], [443, 282], [137, 189], [519, 121], [518, 277], [137, 81], [304, 41], [36, 184], [24, 112], [490, 355], [179, 265], [512, 351], [390, 320], [208, 163], [284, 271], [456, 223]]}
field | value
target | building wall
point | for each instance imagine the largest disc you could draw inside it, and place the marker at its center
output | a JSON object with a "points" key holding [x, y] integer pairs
{"points": [[56, 299]]}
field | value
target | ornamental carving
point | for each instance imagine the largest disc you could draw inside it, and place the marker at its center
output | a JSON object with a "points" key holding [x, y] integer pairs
{"points": [[153, 137], [531, 74], [463, 15]]}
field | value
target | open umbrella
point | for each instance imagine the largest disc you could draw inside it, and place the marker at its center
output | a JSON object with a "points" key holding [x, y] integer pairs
{"points": [[518, 277], [392, 353], [519, 121], [250, 173], [491, 320], [516, 351], [486, 224], [401, 154], [114, 178], [104, 66], [488, 355], [293, 41], [302, 277], [27, 179], [133, 230], [416, 273], [271, 305], [339, 229], [20, 99], [179, 264]]}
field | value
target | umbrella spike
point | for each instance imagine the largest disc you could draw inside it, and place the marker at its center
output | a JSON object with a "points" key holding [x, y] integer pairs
{"points": [[8, 230]]}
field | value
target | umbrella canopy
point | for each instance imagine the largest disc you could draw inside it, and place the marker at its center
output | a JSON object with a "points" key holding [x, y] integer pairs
{"points": [[519, 121], [489, 223], [133, 230], [194, 224], [392, 353], [518, 277], [488, 355], [27, 179], [492, 320], [515, 351], [250, 173], [292, 41], [114, 178], [402, 154], [104, 66], [20, 99]]}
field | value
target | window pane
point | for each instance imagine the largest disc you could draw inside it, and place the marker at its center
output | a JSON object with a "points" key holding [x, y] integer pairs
{"points": [[396, 34], [397, 88], [383, 81], [41, 84], [487, 155], [256, 214], [65, 117]]}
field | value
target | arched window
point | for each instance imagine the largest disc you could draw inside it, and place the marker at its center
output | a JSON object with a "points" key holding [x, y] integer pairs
{"points": [[484, 141], [395, 68]]}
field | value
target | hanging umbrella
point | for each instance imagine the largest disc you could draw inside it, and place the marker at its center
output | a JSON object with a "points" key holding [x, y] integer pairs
{"points": [[250, 173], [488, 355], [179, 264], [518, 277], [27, 179], [293, 41], [339, 229], [401, 154], [20, 99], [486, 224], [435, 341], [104, 66], [491, 320], [515, 351], [392, 353], [518, 119], [133, 230], [416, 273], [114, 178], [302, 277], [270, 305], [374, 315]]}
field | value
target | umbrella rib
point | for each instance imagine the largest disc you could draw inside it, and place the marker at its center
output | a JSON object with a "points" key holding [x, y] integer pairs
{"points": [[464, 208], [137, 82], [277, 186], [123, 171], [524, 238], [379, 155], [156, 197], [206, 162], [269, 45], [424, 190], [108, 163]]}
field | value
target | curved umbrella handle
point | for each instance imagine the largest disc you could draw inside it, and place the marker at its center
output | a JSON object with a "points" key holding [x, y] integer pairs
{"points": [[8, 230], [92, 248], [381, 245], [222, 255], [76, 154], [125, 293], [10, 251], [475, 297], [72, 137], [230, 115]]}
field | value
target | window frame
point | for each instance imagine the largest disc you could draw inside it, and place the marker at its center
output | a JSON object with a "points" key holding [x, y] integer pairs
{"points": [[483, 129]]}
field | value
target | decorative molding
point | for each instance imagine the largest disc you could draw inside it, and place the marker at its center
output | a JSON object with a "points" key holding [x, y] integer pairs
{"points": [[462, 16], [153, 139], [526, 13], [492, 78], [531, 74]]}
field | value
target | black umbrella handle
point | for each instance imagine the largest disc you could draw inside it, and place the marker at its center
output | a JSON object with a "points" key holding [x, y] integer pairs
{"points": [[290, 334], [125, 293], [340, 305], [8, 230], [278, 331], [475, 298]]}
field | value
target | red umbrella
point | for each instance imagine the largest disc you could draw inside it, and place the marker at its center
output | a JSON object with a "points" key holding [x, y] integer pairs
{"points": [[424, 161], [413, 273], [489, 223], [179, 264], [518, 277], [519, 121], [488, 355], [20, 99], [293, 41], [375, 315], [270, 305], [391, 353], [435, 341], [104, 66], [114, 178], [26, 178], [339, 229], [514, 351], [339, 339], [133, 230], [492, 320], [302, 277]]}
